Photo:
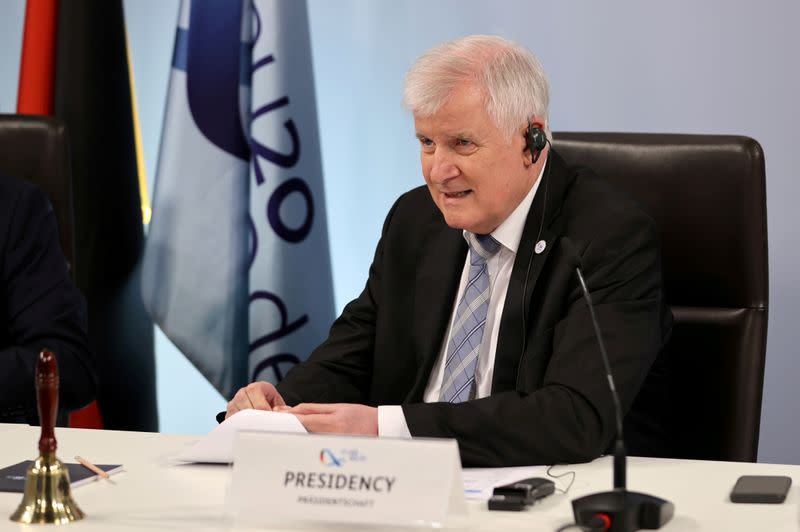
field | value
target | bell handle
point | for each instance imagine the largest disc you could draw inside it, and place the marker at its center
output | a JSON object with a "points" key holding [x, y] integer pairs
{"points": [[47, 397]]}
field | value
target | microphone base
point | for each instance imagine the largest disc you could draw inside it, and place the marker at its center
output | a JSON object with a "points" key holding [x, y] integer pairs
{"points": [[627, 510]]}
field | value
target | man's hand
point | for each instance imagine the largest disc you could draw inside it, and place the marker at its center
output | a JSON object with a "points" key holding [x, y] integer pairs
{"points": [[340, 418], [257, 395]]}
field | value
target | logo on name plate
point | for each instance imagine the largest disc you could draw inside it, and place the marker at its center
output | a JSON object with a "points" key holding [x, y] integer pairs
{"points": [[329, 458]]}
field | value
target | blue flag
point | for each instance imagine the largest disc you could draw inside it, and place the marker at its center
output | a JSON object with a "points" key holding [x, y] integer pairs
{"points": [[237, 266]]}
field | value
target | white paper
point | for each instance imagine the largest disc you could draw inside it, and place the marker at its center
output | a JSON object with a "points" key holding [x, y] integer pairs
{"points": [[479, 482], [217, 446]]}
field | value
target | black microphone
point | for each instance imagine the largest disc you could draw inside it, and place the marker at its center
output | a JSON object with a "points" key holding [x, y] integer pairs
{"points": [[621, 510]]}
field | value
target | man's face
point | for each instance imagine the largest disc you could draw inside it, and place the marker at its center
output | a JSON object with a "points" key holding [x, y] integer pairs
{"points": [[474, 175]]}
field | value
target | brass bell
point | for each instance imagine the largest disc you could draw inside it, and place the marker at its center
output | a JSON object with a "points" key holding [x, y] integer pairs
{"points": [[47, 498]]}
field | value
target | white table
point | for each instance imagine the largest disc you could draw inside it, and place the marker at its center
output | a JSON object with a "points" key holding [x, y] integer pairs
{"points": [[155, 494]]}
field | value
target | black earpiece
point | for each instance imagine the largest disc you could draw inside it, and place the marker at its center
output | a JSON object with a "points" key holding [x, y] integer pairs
{"points": [[536, 141]]}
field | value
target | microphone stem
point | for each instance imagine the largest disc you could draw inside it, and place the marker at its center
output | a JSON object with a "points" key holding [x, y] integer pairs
{"points": [[619, 447], [620, 467]]}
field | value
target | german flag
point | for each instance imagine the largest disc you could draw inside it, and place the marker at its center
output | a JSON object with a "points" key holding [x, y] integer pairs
{"points": [[91, 91]]}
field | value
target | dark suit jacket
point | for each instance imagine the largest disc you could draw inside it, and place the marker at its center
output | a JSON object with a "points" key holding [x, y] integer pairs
{"points": [[550, 400], [39, 306]]}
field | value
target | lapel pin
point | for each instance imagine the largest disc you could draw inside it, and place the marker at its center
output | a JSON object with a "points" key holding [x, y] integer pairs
{"points": [[540, 245]]}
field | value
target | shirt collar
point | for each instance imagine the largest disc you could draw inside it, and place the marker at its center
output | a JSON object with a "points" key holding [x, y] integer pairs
{"points": [[509, 233]]}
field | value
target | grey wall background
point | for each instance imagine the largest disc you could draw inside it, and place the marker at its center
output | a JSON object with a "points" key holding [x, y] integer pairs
{"points": [[720, 66]]}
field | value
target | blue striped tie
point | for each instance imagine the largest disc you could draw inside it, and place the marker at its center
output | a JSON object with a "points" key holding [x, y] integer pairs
{"points": [[467, 332]]}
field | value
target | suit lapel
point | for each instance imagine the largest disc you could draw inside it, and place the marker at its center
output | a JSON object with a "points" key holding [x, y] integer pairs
{"points": [[545, 208], [439, 268]]}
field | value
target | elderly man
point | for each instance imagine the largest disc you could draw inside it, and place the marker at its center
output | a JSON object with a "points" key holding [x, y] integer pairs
{"points": [[472, 324]]}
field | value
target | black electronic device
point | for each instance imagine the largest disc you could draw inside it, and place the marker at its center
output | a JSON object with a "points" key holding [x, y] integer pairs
{"points": [[517, 495], [761, 489], [507, 503], [624, 510], [530, 489], [536, 140]]}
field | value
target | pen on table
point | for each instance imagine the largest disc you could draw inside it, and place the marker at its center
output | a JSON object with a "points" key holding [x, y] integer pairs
{"points": [[91, 467]]}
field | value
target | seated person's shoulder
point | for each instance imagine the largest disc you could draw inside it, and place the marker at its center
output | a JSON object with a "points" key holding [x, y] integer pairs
{"points": [[417, 200], [14, 186], [20, 196], [593, 206], [414, 208]]}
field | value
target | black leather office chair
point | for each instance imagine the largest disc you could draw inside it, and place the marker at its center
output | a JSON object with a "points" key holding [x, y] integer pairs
{"points": [[708, 196], [36, 148]]}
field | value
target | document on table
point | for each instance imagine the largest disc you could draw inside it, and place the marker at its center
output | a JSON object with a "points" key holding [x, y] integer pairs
{"points": [[217, 446], [479, 482]]}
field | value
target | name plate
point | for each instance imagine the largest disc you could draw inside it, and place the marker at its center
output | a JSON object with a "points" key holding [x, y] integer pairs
{"points": [[280, 477]]}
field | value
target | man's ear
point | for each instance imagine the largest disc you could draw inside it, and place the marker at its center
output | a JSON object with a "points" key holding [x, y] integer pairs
{"points": [[527, 157]]}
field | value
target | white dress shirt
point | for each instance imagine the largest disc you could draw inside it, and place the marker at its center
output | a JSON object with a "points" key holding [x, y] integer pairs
{"points": [[391, 421]]}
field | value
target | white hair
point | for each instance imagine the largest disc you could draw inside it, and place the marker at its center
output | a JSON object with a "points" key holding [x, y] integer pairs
{"points": [[510, 76]]}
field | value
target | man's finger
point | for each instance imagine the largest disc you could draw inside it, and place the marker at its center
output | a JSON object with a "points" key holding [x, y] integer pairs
{"points": [[277, 400], [257, 399], [313, 408], [317, 422], [241, 401], [268, 391], [232, 409]]}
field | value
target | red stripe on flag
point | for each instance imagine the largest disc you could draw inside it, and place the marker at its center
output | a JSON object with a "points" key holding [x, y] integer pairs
{"points": [[37, 67]]}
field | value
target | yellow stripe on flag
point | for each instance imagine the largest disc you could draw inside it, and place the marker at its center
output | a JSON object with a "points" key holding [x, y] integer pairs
{"points": [[144, 195]]}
